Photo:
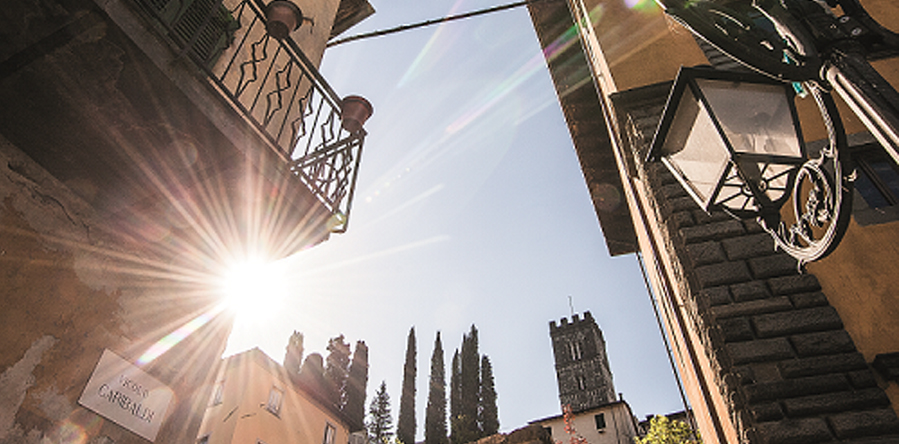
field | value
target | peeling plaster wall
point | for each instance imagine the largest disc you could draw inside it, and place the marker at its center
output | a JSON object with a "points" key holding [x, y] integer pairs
{"points": [[70, 287], [16, 381]]}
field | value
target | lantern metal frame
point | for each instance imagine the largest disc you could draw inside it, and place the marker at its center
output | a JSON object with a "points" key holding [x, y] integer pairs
{"points": [[818, 186], [817, 48], [744, 186]]}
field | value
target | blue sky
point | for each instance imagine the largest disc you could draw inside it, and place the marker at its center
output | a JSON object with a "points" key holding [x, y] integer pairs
{"points": [[470, 209]]}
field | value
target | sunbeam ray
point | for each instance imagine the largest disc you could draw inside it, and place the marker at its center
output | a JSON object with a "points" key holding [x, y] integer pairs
{"points": [[172, 339]]}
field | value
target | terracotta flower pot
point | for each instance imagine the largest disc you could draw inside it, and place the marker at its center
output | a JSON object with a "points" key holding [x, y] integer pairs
{"points": [[282, 18], [356, 110]]}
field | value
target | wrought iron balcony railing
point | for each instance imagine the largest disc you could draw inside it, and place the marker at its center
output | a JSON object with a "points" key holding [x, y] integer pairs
{"points": [[275, 86]]}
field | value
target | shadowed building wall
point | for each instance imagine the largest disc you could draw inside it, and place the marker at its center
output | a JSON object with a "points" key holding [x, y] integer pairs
{"points": [[766, 354]]}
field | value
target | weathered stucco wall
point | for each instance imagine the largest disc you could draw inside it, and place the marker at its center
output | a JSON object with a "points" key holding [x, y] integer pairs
{"points": [[70, 288]]}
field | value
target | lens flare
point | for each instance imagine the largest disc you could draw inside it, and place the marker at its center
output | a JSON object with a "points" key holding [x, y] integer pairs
{"points": [[429, 48], [648, 6], [531, 67], [170, 340], [70, 433]]}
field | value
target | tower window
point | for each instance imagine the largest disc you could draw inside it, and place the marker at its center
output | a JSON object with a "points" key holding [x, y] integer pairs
{"points": [[574, 347], [581, 383]]}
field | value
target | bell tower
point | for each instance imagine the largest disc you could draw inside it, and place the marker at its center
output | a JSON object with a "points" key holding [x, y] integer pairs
{"points": [[582, 368]]}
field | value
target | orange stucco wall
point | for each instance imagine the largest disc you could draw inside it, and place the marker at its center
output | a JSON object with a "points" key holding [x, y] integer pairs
{"points": [[242, 416], [861, 277], [640, 45]]}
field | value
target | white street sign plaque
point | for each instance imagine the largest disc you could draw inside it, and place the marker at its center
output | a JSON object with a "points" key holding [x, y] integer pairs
{"points": [[127, 396]]}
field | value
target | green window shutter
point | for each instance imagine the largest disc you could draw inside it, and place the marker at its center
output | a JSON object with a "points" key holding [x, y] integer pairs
{"points": [[185, 17]]}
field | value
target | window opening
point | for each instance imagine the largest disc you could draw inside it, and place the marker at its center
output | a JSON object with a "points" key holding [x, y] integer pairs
{"points": [[878, 178], [574, 348], [274, 400], [330, 432], [600, 420], [217, 393]]}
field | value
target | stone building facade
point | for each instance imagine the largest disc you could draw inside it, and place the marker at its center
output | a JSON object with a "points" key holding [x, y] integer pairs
{"points": [[766, 354], [590, 410], [582, 367], [783, 369]]}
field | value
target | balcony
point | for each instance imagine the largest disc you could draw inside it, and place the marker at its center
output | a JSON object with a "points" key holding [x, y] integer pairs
{"points": [[184, 115]]}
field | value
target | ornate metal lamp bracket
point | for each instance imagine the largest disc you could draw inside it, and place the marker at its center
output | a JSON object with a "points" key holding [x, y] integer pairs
{"points": [[821, 200], [804, 42]]}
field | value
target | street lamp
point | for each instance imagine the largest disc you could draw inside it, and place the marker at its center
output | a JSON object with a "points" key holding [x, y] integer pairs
{"points": [[734, 141], [752, 164]]}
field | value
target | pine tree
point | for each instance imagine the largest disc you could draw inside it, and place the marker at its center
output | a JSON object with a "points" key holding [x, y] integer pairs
{"points": [[405, 425], [455, 399], [470, 387], [489, 419], [379, 420], [357, 380], [435, 416]]}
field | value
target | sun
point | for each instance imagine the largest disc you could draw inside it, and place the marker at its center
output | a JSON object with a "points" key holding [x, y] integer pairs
{"points": [[254, 289]]}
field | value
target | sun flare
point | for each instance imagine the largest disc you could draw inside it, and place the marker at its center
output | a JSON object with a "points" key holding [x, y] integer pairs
{"points": [[254, 289]]}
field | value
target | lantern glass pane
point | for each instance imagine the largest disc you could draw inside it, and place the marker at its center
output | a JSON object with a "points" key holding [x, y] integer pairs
{"points": [[694, 149], [755, 117]]}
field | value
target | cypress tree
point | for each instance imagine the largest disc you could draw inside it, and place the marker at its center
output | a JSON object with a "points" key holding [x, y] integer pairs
{"points": [[354, 407], [379, 420], [338, 363], [470, 387], [435, 415], [293, 358], [455, 399], [405, 426], [489, 418]]}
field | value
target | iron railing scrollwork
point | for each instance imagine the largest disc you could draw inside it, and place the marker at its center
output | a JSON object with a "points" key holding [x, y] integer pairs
{"points": [[276, 88]]}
